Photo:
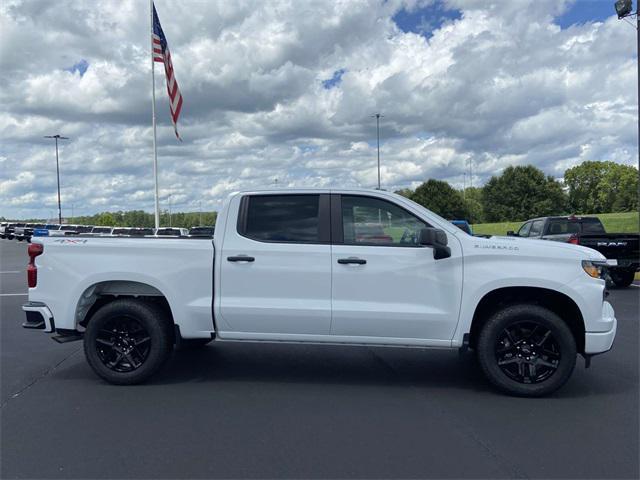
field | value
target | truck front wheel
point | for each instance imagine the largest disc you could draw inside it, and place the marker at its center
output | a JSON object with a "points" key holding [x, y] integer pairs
{"points": [[526, 350], [127, 341]]}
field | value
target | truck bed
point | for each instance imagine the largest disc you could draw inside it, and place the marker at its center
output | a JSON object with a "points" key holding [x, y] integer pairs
{"points": [[180, 269]]}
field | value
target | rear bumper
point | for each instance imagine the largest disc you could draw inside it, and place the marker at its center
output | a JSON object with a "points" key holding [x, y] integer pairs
{"points": [[600, 342], [39, 317]]}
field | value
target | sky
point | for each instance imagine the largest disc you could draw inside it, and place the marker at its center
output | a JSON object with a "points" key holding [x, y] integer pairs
{"points": [[281, 93]]}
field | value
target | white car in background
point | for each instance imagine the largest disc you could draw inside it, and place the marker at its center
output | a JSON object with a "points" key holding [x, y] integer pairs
{"points": [[63, 231], [101, 231], [171, 232]]}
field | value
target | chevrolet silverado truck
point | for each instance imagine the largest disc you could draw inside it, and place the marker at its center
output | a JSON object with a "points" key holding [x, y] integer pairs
{"points": [[302, 266], [622, 249]]}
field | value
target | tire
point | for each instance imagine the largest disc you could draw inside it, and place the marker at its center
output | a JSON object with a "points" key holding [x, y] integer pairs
{"points": [[622, 278], [193, 343], [132, 357], [506, 358]]}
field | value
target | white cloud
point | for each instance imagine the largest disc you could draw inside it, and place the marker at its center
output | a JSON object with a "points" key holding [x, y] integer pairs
{"points": [[501, 85]]}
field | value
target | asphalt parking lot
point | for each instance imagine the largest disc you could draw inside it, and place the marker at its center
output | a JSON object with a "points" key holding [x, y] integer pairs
{"points": [[238, 410]]}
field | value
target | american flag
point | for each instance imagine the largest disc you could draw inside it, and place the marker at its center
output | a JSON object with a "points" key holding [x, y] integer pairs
{"points": [[162, 54]]}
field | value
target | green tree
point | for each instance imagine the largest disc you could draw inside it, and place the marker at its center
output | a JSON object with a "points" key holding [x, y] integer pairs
{"points": [[441, 198], [520, 193], [602, 187], [473, 203], [104, 218], [405, 192]]}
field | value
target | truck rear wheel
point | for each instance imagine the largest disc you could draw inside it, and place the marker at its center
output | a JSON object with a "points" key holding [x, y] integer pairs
{"points": [[127, 341], [622, 278], [526, 350]]}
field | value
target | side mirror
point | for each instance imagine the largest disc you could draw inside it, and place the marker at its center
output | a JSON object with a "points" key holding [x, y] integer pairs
{"points": [[511, 233], [437, 239]]}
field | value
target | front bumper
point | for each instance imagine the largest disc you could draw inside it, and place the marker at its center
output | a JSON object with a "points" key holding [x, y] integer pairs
{"points": [[600, 342], [39, 317]]}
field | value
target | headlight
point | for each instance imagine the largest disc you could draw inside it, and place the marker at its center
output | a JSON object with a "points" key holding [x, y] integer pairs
{"points": [[593, 269]]}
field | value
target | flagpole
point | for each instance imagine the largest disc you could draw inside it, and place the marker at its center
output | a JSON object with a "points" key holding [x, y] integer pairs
{"points": [[153, 116]]}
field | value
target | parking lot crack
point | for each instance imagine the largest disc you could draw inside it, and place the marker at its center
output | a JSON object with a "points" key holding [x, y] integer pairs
{"points": [[38, 378]]}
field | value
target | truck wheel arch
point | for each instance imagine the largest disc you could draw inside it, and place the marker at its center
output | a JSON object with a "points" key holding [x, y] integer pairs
{"points": [[102, 293], [555, 301]]}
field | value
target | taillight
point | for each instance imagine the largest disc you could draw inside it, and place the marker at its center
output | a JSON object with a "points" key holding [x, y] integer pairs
{"points": [[34, 250], [573, 239]]}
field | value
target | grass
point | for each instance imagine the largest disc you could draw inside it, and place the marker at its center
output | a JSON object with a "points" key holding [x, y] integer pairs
{"points": [[623, 222]]}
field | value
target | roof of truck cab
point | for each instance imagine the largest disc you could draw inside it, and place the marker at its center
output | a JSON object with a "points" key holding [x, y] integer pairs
{"points": [[564, 217]]}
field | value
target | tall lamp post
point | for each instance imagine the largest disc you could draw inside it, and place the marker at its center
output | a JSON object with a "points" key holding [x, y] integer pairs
{"points": [[58, 137], [377, 116], [624, 8]]}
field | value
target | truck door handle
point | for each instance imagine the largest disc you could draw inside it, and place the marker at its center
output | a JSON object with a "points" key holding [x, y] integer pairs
{"points": [[241, 258], [354, 260]]}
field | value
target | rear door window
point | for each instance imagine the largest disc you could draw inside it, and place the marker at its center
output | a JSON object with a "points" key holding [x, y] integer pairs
{"points": [[283, 218]]}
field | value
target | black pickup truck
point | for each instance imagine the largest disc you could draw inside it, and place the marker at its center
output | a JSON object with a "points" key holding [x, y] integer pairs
{"points": [[589, 232]]}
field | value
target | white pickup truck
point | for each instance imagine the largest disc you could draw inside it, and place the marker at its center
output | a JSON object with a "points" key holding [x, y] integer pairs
{"points": [[353, 267]]}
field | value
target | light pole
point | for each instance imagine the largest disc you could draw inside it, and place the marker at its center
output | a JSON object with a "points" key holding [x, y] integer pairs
{"points": [[464, 185], [377, 116], [58, 137], [624, 8]]}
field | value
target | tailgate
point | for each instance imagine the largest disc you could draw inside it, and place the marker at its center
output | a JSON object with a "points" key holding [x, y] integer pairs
{"points": [[614, 245]]}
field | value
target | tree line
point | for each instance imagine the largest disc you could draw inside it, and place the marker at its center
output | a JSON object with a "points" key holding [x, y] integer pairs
{"points": [[140, 218], [517, 194], [524, 192]]}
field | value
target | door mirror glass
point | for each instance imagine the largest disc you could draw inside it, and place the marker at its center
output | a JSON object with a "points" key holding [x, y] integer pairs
{"points": [[437, 239]]}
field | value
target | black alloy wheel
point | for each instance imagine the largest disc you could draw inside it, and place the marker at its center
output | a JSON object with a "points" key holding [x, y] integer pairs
{"points": [[527, 352], [123, 344], [128, 340]]}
